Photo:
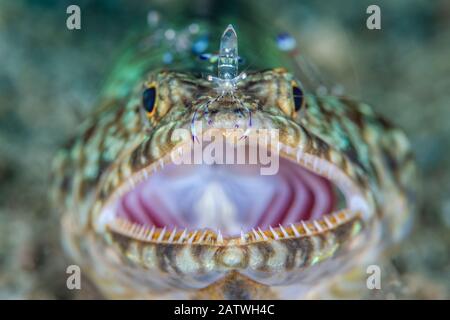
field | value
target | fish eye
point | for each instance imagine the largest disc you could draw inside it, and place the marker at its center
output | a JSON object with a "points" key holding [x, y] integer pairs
{"points": [[297, 96], [149, 99]]}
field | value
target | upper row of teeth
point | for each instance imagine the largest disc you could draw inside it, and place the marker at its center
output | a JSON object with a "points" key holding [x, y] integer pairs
{"points": [[162, 235], [311, 162]]}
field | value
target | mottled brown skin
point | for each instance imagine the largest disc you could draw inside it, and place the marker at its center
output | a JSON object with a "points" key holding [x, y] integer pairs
{"points": [[121, 140], [235, 286]]}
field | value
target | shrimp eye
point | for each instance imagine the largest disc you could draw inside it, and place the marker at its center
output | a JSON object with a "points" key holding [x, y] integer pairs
{"points": [[297, 95], [148, 99]]}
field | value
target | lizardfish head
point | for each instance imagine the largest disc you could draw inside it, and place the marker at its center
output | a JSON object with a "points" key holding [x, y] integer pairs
{"points": [[260, 183]]}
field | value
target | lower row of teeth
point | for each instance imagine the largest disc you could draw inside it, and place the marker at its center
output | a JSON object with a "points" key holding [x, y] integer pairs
{"points": [[166, 235]]}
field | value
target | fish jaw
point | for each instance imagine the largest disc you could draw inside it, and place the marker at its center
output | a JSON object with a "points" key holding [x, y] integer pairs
{"points": [[191, 259], [158, 259]]}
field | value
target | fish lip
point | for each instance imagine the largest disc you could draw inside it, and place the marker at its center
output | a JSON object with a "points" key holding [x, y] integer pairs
{"points": [[358, 206]]}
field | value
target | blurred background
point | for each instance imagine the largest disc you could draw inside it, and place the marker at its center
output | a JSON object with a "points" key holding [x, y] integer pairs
{"points": [[50, 78]]}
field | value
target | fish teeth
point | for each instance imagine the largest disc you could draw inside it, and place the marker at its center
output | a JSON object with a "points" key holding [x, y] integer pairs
{"points": [[134, 228], [183, 235], [328, 222], [243, 237], [161, 234], [142, 231], [263, 234], [308, 232], [294, 229], [219, 237], [275, 235], [338, 219], [172, 235], [310, 161], [318, 226], [285, 234], [257, 235], [316, 165], [152, 232], [191, 239], [202, 237], [299, 155]]}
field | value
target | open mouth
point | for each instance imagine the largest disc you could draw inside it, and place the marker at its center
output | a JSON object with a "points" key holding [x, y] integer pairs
{"points": [[178, 202]]}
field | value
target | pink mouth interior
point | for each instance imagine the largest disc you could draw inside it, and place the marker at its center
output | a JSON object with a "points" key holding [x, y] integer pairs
{"points": [[228, 197]]}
